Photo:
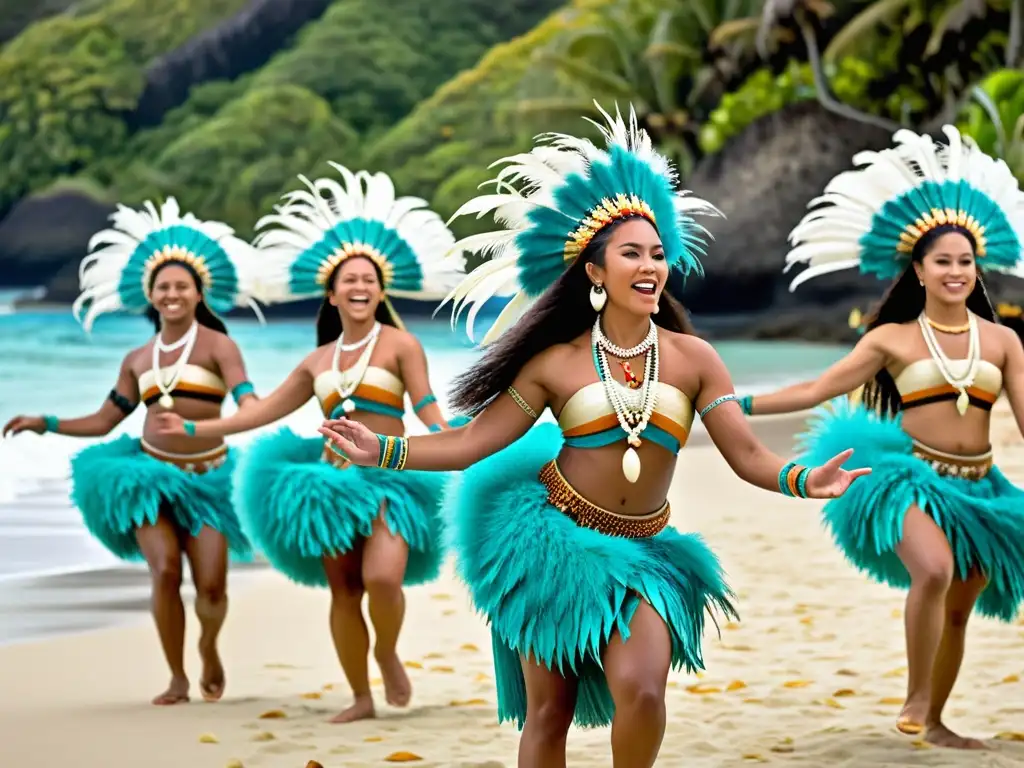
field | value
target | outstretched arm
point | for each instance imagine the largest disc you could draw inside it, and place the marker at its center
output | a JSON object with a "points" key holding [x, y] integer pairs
{"points": [[1013, 376], [232, 370], [289, 397], [747, 456], [505, 420], [857, 368], [412, 363], [122, 400]]}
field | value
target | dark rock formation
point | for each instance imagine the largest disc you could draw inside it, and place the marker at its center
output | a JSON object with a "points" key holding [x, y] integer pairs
{"points": [[762, 181], [47, 235], [15, 15], [238, 45]]}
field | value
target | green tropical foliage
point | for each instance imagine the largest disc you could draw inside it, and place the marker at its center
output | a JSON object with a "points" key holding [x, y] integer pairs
{"points": [[995, 118]]}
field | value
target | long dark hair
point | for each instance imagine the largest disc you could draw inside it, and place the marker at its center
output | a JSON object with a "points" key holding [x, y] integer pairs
{"points": [[562, 313], [204, 315], [328, 317], [903, 302]]}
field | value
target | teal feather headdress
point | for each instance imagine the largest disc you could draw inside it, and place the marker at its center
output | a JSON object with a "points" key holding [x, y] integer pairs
{"points": [[569, 189], [873, 217], [318, 228], [121, 261]]}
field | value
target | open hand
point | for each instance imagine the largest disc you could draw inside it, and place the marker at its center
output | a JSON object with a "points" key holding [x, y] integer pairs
{"points": [[830, 480], [18, 424], [169, 424], [353, 439]]}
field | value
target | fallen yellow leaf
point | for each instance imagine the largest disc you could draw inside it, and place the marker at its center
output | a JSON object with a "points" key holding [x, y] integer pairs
{"points": [[433, 655], [449, 612], [467, 703], [701, 689], [796, 683], [413, 665], [373, 739], [208, 738], [784, 749], [736, 685], [844, 692], [899, 672], [920, 744], [834, 704], [442, 669], [468, 647], [751, 756], [671, 684], [329, 687], [893, 701], [1011, 679], [313, 764], [273, 714], [402, 757], [807, 620], [312, 695], [441, 596], [263, 736], [1010, 736], [234, 764], [752, 701], [732, 625], [846, 672]]}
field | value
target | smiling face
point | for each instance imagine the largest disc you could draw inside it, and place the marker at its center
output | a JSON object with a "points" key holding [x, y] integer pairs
{"points": [[635, 270], [357, 290], [948, 269], [175, 294]]}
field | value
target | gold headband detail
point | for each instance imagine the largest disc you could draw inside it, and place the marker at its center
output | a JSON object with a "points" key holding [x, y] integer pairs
{"points": [[351, 250], [178, 254], [936, 218], [601, 216]]}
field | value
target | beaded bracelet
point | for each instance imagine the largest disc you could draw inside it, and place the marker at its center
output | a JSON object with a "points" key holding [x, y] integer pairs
{"points": [[793, 480], [392, 452], [241, 390], [715, 403], [51, 423]]}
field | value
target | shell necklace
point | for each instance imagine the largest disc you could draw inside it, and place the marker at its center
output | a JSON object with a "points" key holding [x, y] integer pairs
{"points": [[945, 365], [188, 341], [633, 406], [348, 381]]}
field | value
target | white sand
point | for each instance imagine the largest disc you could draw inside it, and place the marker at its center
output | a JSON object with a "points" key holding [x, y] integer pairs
{"points": [[813, 676]]}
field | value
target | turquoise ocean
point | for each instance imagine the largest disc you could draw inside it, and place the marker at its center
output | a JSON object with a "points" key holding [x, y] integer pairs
{"points": [[49, 365]]}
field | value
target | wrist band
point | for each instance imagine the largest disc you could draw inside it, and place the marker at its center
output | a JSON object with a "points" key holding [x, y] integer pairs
{"points": [[51, 423], [747, 404], [125, 405], [793, 479], [241, 390], [434, 427], [393, 452], [428, 399], [189, 427]]}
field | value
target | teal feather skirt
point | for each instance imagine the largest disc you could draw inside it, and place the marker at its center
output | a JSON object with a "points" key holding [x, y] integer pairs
{"points": [[118, 488], [557, 592], [983, 520], [299, 509]]}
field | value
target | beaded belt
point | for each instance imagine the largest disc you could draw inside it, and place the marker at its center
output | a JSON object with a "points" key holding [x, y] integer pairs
{"points": [[566, 499], [951, 465], [196, 463]]}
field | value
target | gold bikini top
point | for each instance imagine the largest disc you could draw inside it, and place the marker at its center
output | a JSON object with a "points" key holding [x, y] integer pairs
{"points": [[921, 383], [380, 392]]}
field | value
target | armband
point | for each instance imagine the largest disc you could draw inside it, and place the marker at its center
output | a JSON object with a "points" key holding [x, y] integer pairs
{"points": [[241, 390], [715, 403], [190, 428], [525, 406], [428, 399], [126, 406], [793, 480], [747, 404], [51, 423]]}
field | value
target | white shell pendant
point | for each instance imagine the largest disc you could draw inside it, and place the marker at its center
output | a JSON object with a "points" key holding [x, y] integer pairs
{"points": [[631, 464], [348, 406], [166, 401], [962, 402]]}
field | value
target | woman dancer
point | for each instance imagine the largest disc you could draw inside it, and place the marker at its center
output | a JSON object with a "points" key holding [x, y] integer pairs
{"points": [[160, 496], [936, 516], [562, 535], [319, 520]]}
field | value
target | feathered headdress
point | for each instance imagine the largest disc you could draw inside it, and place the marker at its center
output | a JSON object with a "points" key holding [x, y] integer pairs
{"points": [[873, 217], [569, 190], [121, 261], [318, 228]]}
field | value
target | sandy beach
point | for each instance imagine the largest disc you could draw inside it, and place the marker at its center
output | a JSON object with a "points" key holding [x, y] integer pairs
{"points": [[813, 675]]}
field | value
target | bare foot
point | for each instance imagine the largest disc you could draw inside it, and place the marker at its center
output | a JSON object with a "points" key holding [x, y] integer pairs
{"points": [[361, 709], [913, 716], [176, 693], [211, 684], [941, 736], [397, 688]]}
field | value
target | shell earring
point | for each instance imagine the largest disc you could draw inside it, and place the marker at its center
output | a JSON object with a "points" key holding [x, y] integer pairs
{"points": [[597, 297]]}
